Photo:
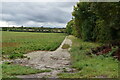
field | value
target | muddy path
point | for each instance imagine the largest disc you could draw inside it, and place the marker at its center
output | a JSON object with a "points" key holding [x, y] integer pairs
{"points": [[57, 61]]}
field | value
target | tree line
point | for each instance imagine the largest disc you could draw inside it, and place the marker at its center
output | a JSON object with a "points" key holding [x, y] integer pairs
{"points": [[95, 21], [34, 29]]}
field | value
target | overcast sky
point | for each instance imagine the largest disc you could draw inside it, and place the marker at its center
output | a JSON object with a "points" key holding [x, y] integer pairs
{"points": [[36, 14]]}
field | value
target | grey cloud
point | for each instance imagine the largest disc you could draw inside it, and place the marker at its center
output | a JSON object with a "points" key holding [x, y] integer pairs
{"points": [[43, 12]]}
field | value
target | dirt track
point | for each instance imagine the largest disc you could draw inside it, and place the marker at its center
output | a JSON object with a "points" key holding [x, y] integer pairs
{"points": [[57, 61]]}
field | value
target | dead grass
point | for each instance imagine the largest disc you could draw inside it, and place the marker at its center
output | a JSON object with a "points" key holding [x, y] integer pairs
{"points": [[65, 46]]}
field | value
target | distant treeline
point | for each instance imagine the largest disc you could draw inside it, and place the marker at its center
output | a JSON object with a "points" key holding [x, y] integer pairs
{"points": [[34, 29], [95, 21]]}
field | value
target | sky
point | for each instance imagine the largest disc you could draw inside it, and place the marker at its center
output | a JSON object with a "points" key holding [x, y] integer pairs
{"points": [[36, 14]]}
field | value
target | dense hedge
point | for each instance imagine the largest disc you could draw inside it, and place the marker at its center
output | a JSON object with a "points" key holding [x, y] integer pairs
{"points": [[94, 21]]}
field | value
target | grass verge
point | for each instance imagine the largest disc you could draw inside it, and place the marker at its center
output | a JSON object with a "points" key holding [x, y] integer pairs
{"points": [[11, 70], [90, 66]]}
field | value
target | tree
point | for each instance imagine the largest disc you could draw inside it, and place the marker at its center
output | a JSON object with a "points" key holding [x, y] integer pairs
{"points": [[98, 21], [69, 27]]}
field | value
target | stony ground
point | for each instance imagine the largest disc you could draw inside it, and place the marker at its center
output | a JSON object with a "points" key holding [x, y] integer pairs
{"points": [[57, 61]]}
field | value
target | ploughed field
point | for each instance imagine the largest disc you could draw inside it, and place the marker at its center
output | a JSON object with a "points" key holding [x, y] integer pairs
{"points": [[15, 44]]}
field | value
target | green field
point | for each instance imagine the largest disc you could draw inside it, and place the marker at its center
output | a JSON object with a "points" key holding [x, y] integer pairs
{"points": [[17, 43]]}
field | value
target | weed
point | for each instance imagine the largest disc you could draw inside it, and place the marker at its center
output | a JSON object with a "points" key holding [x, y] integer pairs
{"points": [[65, 46], [16, 55]]}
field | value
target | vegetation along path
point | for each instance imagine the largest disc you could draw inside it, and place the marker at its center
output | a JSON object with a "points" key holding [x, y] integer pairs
{"points": [[57, 61]]}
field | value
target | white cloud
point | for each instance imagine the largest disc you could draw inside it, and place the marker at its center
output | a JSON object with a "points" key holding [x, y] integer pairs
{"points": [[6, 24]]}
